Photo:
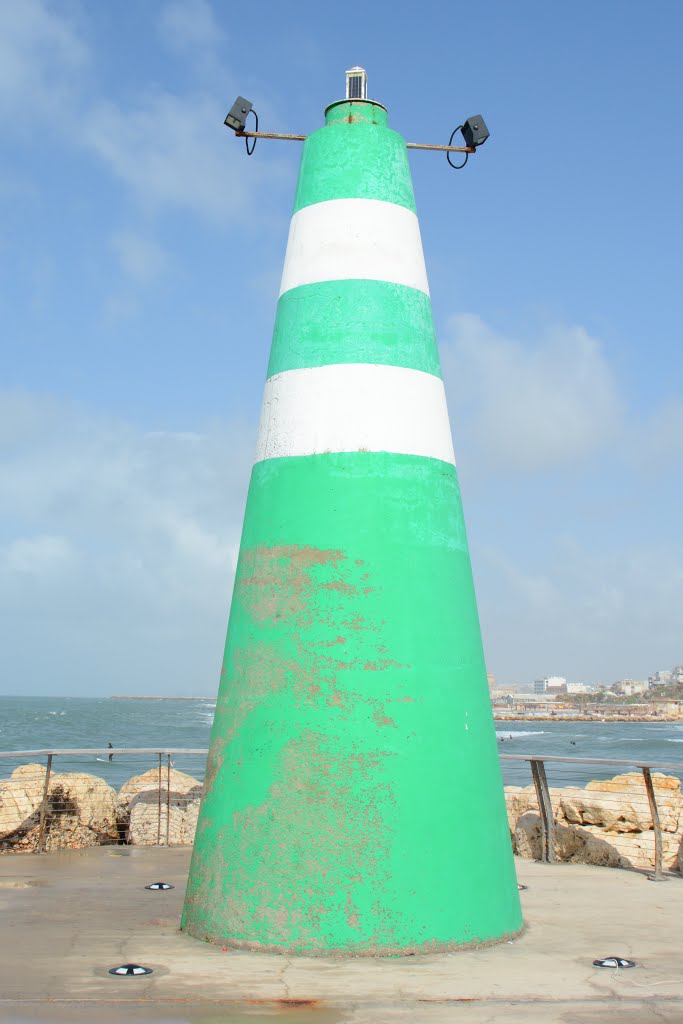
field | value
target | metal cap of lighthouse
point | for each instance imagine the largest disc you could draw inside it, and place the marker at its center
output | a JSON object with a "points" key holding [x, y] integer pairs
{"points": [[353, 801]]}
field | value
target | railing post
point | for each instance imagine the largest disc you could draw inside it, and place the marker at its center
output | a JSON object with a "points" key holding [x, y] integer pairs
{"points": [[546, 810], [168, 798], [159, 805], [656, 825], [43, 806]]}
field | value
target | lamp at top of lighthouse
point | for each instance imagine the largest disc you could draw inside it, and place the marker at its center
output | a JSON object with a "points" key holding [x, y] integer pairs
{"points": [[356, 84]]}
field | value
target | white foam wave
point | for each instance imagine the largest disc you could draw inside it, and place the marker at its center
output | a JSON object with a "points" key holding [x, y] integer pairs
{"points": [[514, 735]]}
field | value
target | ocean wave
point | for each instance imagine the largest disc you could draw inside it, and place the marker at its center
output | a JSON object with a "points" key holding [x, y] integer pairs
{"points": [[514, 735], [670, 740]]}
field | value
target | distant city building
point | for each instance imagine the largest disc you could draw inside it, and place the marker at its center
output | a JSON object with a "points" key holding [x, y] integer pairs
{"points": [[663, 678], [577, 688], [550, 684], [672, 708], [629, 687], [492, 680]]}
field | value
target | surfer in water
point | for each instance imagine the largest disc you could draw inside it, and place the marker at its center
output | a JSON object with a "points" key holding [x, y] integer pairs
{"points": [[111, 746]]}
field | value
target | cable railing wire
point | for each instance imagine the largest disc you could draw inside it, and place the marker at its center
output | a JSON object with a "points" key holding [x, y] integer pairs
{"points": [[54, 799]]}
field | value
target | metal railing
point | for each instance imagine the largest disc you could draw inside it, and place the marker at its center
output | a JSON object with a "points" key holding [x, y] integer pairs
{"points": [[619, 812], [56, 799]]}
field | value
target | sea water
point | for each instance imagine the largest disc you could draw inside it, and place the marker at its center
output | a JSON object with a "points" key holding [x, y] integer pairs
{"points": [[58, 723], [47, 723]]}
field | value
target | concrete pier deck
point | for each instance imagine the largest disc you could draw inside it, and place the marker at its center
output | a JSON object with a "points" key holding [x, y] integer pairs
{"points": [[67, 917]]}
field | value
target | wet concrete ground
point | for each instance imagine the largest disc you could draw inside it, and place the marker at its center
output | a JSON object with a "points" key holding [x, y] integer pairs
{"points": [[67, 917]]}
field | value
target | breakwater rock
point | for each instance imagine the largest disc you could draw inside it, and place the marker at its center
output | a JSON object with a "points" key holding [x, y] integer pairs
{"points": [[609, 822], [82, 810], [152, 811]]}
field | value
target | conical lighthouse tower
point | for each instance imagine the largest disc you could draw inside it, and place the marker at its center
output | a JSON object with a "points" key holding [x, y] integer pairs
{"points": [[353, 800]]}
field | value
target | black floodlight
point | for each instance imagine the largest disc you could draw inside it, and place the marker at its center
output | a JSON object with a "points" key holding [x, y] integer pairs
{"points": [[237, 118], [475, 132], [130, 970]]}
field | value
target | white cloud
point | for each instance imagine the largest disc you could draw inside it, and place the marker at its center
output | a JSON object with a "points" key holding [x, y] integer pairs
{"points": [[187, 25], [41, 56], [167, 149], [172, 151], [36, 555], [118, 547], [585, 613], [657, 442], [529, 407], [141, 258]]}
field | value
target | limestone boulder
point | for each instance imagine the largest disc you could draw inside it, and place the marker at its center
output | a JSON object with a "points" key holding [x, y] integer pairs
{"points": [[85, 802], [621, 804], [20, 799], [638, 848], [151, 807], [520, 799], [153, 780], [80, 810], [634, 780], [173, 822], [571, 845]]}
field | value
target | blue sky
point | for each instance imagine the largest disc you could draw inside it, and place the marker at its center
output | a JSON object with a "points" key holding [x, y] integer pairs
{"points": [[140, 255]]}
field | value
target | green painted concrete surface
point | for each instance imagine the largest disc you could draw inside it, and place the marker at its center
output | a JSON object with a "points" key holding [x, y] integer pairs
{"points": [[354, 161], [354, 322], [354, 801]]}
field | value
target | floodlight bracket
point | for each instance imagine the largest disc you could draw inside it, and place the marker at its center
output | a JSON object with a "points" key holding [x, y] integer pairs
{"points": [[302, 138]]}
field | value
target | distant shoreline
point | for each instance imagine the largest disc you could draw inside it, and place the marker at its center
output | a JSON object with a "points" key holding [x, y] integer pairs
{"points": [[611, 719], [122, 696], [605, 719]]}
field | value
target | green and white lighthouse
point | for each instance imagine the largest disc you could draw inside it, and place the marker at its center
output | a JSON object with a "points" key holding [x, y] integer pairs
{"points": [[353, 802]]}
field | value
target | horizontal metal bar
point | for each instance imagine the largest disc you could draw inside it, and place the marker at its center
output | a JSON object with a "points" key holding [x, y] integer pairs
{"points": [[104, 750], [592, 760], [204, 750], [302, 138], [441, 149], [271, 135]]}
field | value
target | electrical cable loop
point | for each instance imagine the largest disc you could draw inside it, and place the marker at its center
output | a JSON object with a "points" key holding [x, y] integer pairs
{"points": [[456, 167], [254, 141]]}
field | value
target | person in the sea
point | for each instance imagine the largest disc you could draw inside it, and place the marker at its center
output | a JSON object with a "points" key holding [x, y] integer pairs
{"points": [[111, 746]]}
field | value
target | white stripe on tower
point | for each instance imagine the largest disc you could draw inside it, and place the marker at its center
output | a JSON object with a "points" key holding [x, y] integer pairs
{"points": [[350, 407], [364, 239]]}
